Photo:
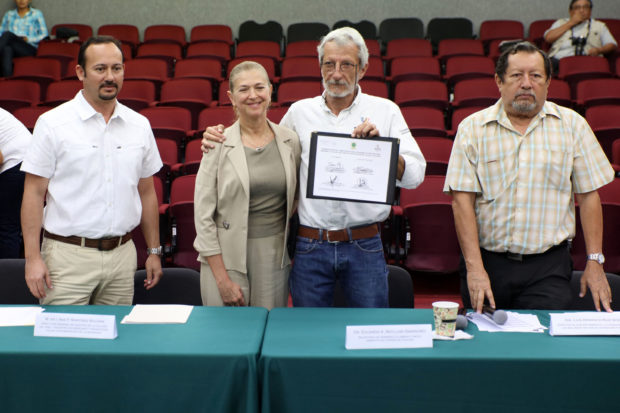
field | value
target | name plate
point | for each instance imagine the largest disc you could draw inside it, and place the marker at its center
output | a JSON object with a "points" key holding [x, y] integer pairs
{"points": [[585, 324], [75, 325], [389, 336]]}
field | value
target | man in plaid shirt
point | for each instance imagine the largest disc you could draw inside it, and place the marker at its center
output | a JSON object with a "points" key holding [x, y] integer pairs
{"points": [[514, 172]]}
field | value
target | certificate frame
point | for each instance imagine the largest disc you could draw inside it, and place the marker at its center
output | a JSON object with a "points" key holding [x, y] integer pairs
{"points": [[352, 169]]}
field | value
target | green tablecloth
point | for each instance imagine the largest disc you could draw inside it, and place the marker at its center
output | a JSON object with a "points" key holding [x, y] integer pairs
{"points": [[305, 367], [206, 365]]}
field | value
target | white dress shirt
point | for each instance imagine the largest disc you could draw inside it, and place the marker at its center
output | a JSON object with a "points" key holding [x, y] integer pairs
{"points": [[93, 168], [313, 115], [14, 140]]}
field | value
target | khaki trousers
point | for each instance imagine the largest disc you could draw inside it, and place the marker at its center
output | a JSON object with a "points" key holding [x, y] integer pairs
{"points": [[265, 284], [82, 275]]}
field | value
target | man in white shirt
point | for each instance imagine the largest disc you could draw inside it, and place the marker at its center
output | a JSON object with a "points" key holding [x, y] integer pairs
{"points": [[92, 160], [339, 241], [14, 140], [579, 34]]}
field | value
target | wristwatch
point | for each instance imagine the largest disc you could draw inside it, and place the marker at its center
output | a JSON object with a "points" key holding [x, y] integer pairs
{"points": [[598, 257], [155, 251]]}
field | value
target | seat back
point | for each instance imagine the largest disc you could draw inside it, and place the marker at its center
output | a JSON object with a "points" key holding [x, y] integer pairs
{"points": [[211, 33], [176, 286], [501, 30], [291, 92], [165, 33], [408, 47], [401, 28], [297, 32], [270, 30], [13, 280], [84, 30], [126, 33], [366, 28], [440, 28]]}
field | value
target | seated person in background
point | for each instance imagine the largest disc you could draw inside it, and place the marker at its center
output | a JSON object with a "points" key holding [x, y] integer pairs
{"points": [[22, 29], [14, 139], [579, 34], [244, 198]]}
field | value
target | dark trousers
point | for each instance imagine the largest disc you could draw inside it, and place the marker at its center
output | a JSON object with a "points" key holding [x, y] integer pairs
{"points": [[537, 282], [11, 191], [13, 46]]}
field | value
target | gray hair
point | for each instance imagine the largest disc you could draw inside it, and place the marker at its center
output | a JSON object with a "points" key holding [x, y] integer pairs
{"points": [[344, 36], [244, 67]]}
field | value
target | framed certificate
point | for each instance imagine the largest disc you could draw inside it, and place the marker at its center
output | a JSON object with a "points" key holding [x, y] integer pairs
{"points": [[352, 169]]}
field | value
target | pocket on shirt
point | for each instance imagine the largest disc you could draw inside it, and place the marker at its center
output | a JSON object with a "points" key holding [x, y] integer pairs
{"points": [[554, 168], [495, 176], [129, 161]]}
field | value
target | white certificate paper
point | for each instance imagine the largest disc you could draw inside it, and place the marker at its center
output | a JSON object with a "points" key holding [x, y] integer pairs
{"points": [[352, 169], [389, 336]]}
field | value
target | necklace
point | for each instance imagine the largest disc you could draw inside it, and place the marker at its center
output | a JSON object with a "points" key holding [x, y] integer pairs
{"points": [[258, 146]]}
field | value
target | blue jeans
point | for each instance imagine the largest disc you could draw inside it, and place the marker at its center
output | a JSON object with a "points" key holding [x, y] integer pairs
{"points": [[359, 266]]}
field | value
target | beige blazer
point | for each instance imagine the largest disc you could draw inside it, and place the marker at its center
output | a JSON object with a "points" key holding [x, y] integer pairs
{"points": [[222, 196]]}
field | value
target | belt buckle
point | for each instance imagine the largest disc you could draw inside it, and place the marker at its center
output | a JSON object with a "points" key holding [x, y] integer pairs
{"points": [[327, 236], [514, 256]]}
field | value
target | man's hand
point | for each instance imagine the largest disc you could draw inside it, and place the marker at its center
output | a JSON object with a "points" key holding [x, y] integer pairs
{"points": [[212, 133], [153, 271], [365, 129], [595, 51], [595, 279], [479, 287], [231, 293], [576, 18], [37, 277]]}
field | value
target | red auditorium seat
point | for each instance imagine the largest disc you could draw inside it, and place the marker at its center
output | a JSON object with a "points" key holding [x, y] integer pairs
{"points": [[427, 93], [611, 229], [16, 94], [137, 94], [203, 68], [276, 114], [192, 94], [475, 92], [262, 48], [559, 92], [181, 211], [468, 67], [42, 70], [215, 116], [165, 33], [374, 48], [211, 33], [605, 122], [193, 156], [423, 121], [594, 92], [459, 114], [213, 50], [375, 69], [137, 235], [169, 122], [169, 153], [414, 68], [61, 51], [577, 68], [28, 115], [302, 48], [126, 33], [459, 47], [61, 92], [537, 31], [501, 30], [408, 48], [375, 88], [300, 68], [291, 92], [436, 151], [222, 96], [153, 70], [169, 52], [615, 154]]}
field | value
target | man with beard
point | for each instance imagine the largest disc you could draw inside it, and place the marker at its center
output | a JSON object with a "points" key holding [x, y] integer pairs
{"points": [[340, 241], [91, 160], [514, 172]]}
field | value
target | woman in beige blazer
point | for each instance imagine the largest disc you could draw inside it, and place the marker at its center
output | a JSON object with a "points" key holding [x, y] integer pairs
{"points": [[245, 191]]}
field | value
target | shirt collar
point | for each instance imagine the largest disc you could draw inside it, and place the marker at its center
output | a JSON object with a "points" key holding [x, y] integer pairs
{"points": [[86, 111]]}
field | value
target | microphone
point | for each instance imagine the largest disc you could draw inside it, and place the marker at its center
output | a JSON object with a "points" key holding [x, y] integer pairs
{"points": [[499, 316], [461, 322]]}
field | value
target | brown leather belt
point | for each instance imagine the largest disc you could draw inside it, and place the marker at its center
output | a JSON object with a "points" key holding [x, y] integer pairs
{"points": [[339, 235], [102, 244]]}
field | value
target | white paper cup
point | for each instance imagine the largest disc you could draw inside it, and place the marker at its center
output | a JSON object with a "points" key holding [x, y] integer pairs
{"points": [[445, 313]]}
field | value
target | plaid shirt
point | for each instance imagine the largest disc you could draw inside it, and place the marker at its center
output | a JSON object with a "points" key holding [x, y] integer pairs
{"points": [[524, 184], [32, 25]]}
